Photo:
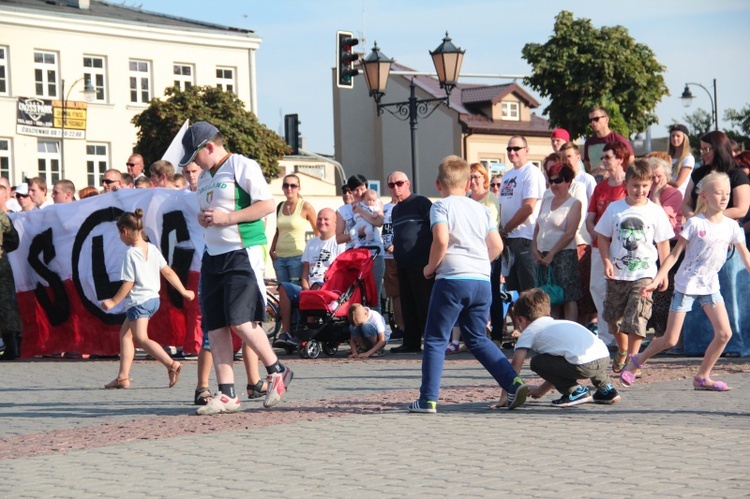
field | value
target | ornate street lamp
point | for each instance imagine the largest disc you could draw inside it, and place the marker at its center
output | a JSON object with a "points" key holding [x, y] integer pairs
{"points": [[447, 59], [687, 99]]}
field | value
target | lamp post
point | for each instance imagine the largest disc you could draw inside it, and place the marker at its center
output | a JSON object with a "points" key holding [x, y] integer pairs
{"points": [[447, 59], [687, 98], [89, 92]]}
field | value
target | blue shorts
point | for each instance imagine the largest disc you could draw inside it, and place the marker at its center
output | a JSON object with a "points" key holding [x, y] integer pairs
{"points": [[145, 310], [684, 303]]}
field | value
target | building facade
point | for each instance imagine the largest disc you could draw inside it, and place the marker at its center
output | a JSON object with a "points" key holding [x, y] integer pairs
{"points": [[50, 49]]}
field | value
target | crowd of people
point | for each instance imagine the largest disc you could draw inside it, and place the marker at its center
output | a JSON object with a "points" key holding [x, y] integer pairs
{"points": [[592, 242]]}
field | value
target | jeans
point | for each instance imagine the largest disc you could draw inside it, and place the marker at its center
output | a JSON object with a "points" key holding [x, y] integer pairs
{"points": [[378, 271], [466, 302], [288, 269]]}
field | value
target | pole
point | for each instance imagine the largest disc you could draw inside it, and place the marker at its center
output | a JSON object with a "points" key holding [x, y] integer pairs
{"points": [[62, 135], [716, 109], [413, 128]]}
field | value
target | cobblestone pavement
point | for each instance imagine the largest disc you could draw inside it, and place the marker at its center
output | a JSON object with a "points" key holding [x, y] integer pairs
{"points": [[343, 430]]}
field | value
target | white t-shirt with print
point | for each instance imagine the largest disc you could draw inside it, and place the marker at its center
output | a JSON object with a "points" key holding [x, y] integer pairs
{"points": [[705, 254], [518, 184], [633, 231], [320, 254], [347, 213], [563, 339], [144, 273]]}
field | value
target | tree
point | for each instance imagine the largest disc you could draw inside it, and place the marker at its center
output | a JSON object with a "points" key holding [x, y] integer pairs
{"points": [[739, 120], [698, 123], [581, 66], [243, 134]]}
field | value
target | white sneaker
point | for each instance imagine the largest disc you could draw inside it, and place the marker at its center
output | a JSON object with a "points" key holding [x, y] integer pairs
{"points": [[277, 385], [219, 404]]}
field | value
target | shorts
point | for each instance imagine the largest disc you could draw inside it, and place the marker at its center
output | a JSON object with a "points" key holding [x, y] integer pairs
{"points": [[390, 279], [625, 306], [367, 330], [144, 310], [232, 289], [684, 303]]}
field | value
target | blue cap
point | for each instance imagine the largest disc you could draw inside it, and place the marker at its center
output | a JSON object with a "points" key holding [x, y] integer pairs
{"points": [[196, 137]]}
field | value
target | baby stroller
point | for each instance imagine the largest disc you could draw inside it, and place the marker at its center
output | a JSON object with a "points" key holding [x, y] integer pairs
{"points": [[324, 324]]}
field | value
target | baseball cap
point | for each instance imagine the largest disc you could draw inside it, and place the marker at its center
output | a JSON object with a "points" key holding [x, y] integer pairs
{"points": [[22, 189], [681, 128], [560, 133], [196, 137]]}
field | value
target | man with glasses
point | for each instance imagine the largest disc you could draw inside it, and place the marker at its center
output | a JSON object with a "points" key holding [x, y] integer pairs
{"points": [[135, 166], [594, 146], [412, 239], [112, 180], [521, 190], [23, 198]]}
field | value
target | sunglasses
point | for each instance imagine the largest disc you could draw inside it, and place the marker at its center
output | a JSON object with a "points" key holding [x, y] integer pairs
{"points": [[596, 119], [706, 150], [556, 180], [289, 186], [108, 181], [608, 158], [18, 196], [397, 183], [514, 148], [495, 185], [129, 164]]}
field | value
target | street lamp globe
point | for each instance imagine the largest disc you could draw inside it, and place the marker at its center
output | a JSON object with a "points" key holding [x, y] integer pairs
{"points": [[89, 92], [447, 59], [376, 67], [687, 97]]}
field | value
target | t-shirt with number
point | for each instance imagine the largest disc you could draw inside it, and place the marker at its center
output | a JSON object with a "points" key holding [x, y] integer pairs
{"points": [[236, 184], [706, 252], [386, 233], [633, 230], [518, 184], [144, 272], [320, 254]]}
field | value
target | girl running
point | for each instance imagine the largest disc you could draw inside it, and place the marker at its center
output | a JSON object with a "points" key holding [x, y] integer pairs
{"points": [[140, 289], [706, 237]]}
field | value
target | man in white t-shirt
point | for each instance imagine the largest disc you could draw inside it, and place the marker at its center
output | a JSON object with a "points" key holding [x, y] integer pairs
{"points": [[565, 353], [573, 153], [521, 190], [319, 254]]}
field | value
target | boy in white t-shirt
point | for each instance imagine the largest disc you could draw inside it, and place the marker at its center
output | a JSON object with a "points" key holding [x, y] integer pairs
{"points": [[368, 332], [565, 353], [627, 232]]}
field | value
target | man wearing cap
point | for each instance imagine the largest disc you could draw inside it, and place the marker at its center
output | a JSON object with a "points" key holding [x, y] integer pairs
{"points": [[558, 137], [594, 146], [234, 197], [23, 198]]}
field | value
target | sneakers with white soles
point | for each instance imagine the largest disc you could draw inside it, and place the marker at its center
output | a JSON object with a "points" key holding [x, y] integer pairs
{"points": [[219, 404], [277, 386]]}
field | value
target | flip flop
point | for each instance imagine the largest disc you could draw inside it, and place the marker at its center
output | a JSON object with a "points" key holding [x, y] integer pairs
{"points": [[715, 386], [627, 377], [174, 374]]}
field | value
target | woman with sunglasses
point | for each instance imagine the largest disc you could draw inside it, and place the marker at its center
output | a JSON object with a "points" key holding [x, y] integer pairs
{"points": [[495, 182], [293, 216]]}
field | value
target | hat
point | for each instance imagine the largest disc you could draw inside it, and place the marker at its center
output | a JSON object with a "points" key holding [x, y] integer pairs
{"points": [[196, 137], [23, 189], [560, 133], [355, 181], [681, 128]]}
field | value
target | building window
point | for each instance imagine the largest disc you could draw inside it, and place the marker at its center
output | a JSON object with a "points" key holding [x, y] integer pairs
{"points": [[183, 76], [97, 162], [225, 79], [4, 90], [48, 157], [45, 73], [5, 163], [140, 82], [95, 69], [510, 111]]}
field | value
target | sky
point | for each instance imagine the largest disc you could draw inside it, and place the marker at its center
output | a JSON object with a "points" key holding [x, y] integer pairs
{"points": [[697, 41]]}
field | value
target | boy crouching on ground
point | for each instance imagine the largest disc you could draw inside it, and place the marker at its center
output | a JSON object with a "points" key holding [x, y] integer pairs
{"points": [[565, 353], [465, 241], [367, 331]]}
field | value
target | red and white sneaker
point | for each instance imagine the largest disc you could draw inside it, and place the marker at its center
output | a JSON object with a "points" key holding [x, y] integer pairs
{"points": [[277, 386], [219, 404], [453, 348]]}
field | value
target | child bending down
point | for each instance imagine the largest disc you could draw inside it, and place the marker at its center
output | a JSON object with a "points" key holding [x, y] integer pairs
{"points": [[140, 290], [460, 258], [368, 333], [705, 238], [372, 205]]}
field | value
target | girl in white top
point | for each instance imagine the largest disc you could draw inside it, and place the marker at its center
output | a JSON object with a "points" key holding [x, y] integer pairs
{"points": [[706, 237], [140, 290], [683, 160]]}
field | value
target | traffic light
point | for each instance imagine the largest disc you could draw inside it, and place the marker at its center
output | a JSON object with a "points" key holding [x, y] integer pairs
{"points": [[291, 132], [345, 59]]}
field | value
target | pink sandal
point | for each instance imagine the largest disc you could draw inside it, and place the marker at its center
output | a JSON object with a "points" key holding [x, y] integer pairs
{"points": [[627, 377], [715, 386]]}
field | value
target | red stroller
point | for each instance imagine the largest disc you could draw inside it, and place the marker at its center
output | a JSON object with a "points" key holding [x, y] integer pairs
{"points": [[324, 324]]}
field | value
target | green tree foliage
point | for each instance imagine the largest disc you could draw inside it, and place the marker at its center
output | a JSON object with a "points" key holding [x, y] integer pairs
{"points": [[698, 123], [581, 66], [243, 134], [740, 121]]}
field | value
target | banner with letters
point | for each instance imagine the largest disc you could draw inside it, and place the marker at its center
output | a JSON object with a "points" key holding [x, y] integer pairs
{"points": [[69, 260]]}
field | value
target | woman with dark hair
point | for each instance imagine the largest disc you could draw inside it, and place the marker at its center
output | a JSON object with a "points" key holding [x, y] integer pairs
{"points": [[345, 222], [554, 242]]}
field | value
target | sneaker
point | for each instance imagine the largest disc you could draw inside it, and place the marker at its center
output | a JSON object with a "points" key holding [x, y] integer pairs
{"points": [[219, 404], [452, 348], [379, 353], [282, 340], [606, 396], [518, 398], [423, 406], [277, 386], [580, 396]]}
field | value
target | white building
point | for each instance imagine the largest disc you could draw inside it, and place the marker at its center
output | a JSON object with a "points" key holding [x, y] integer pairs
{"points": [[130, 56]]}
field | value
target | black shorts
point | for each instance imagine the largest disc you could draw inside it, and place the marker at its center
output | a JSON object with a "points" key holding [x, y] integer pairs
{"points": [[230, 291]]}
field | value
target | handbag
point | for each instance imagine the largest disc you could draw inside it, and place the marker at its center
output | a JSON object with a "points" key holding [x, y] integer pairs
{"points": [[554, 291]]}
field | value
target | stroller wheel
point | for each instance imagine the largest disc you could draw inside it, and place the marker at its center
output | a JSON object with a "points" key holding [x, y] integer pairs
{"points": [[310, 350], [330, 348]]}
